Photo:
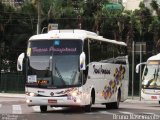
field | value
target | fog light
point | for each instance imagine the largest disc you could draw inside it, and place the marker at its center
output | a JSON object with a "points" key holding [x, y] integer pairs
{"points": [[28, 101], [78, 100], [32, 94], [74, 94]]}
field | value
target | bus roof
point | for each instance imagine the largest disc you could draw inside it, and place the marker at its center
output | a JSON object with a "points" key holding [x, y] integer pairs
{"points": [[73, 34], [155, 57]]}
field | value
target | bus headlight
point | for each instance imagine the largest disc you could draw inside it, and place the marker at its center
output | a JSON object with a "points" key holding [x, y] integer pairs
{"points": [[31, 94], [28, 101], [78, 101], [74, 93]]}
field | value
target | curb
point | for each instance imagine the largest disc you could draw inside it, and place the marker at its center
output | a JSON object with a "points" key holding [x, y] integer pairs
{"points": [[137, 100], [12, 95]]}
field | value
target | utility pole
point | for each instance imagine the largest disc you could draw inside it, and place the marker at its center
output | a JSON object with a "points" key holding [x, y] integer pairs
{"points": [[133, 44], [140, 83], [39, 16]]}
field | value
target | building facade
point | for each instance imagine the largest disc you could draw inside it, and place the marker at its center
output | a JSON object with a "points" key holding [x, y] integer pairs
{"points": [[131, 4], [147, 3], [134, 4]]}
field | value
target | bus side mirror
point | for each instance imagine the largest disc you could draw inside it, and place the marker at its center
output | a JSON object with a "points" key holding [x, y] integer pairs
{"points": [[137, 66], [82, 61], [20, 62]]}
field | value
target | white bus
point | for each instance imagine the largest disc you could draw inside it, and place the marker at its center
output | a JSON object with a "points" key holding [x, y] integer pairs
{"points": [[74, 68], [151, 78]]}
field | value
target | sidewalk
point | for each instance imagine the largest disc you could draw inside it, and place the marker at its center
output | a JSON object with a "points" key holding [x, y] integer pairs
{"points": [[12, 95], [136, 99]]}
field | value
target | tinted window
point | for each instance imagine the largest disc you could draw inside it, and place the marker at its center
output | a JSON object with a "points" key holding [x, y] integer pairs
{"points": [[54, 47], [102, 51]]}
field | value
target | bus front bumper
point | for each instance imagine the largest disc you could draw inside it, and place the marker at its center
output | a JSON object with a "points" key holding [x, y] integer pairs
{"points": [[53, 101], [151, 96]]}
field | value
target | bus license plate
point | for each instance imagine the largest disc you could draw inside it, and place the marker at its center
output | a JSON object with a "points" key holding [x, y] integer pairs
{"points": [[51, 101]]}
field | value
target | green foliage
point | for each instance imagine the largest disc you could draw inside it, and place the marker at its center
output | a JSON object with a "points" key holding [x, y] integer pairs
{"points": [[142, 5], [154, 5], [17, 25]]}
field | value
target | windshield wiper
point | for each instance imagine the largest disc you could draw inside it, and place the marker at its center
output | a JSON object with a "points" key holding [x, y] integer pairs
{"points": [[48, 69], [56, 69], [59, 74]]}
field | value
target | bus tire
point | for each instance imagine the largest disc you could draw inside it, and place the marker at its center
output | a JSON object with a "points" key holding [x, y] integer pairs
{"points": [[108, 105], [87, 108], [159, 102], [116, 104], [43, 108]]}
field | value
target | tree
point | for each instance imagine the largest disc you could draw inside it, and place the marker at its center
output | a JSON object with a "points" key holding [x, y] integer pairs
{"points": [[155, 26], [17, 25], [155, 7]]}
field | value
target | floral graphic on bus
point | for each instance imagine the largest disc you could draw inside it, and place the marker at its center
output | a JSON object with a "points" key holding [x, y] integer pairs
{"points": [[111, 87], [67, 91], [71, 93]]}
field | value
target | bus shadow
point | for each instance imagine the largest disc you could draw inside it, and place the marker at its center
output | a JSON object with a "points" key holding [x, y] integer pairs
{"points": [[76, 110]]}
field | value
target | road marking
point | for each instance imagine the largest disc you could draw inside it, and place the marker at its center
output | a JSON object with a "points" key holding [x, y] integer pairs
{"points": [[36, 108], [146, 113], [124, 112], [90, 113], [0, 105], [107, 113], [101, 112], [110, 113], [16, 109], [57, 108]]}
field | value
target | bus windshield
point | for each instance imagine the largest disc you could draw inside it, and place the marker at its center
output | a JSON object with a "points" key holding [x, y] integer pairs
{"points": [[54, 63], [151, 76]]}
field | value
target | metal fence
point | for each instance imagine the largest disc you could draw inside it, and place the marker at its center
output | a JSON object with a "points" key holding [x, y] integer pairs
{"points": [[12, 82], [139, 56], [10, 79]]}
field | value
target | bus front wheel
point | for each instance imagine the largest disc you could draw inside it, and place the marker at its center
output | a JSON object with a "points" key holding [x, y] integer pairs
{"points": [[87, 108], [43, 108]]}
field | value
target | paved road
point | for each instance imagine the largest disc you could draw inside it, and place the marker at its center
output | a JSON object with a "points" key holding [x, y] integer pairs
{"points": [[16, 109]]}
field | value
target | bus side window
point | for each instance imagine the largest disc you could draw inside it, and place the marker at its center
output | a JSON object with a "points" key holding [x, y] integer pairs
{"points": [[104, 51], [95, 50], [124, 50], [120, 53], [110, 50], [116, 50], [86, 50]]}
